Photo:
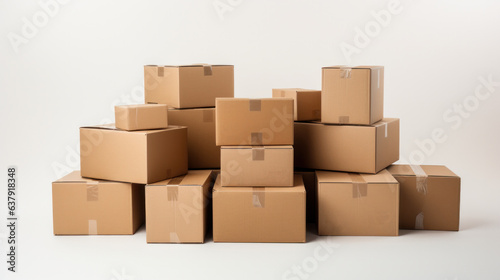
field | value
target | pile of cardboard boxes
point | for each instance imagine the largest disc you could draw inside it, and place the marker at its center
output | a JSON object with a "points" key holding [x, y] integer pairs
{"points": [[255, 170]]}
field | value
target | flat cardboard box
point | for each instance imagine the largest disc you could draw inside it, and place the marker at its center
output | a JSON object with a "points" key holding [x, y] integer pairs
{"points": [[188, 86], [309, 177], [89, 207], [349, 148], [176, 209], [202, 151], [257, 166], [257, 214], [141, 116], [143, 156], [430, 197], [357, 204], [307, 102], [244, 122], [352, 95]]}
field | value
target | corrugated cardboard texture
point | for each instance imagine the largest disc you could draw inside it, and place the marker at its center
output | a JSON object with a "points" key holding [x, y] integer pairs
{"points": [[357, 204], [350, 148], [243, 122], [307, 102], [249, 214], [141, 117], [309, 177]]}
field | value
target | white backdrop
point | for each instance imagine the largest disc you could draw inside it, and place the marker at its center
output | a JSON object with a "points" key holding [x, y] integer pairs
{"points": [[65, 64]]}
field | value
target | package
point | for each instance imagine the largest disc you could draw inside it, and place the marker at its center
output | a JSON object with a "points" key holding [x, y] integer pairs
{"points": [[176, 209], [257, 214], [141, 116], [88, 207], [430, 197], [257, 166], [307, 102], [357, 204], [352, 95], [350, 148], [188, 86], [309, 178], [243, 121], [202, 151], [143, 157]]}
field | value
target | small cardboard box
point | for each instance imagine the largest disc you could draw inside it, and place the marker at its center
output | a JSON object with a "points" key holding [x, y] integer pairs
{"points": [[256, 214], [176, 209], [309, 177], [257, 166], [357, 204], [143, 157], [430, 197], [188, 86], [349, 148], [88, 207], [352, 95], [307, 102], [244, 122], [202, 151], [141, 116]]}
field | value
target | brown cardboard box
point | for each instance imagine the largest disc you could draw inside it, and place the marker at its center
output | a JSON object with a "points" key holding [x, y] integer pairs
{"points": [[84, 206], [430, 197], [309, 177], [257, 166], [352, 95], [350, 148], [202, 151], [143, 156], [188, 86], [307, 102], [176, 209], [357, 204], [243, 121], [141, 116], [256, 214]]}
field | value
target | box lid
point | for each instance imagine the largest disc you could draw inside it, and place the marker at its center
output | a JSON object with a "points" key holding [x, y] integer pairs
{"points": [[75, 177], [190, 65], [430, 170], [192, 178], [352, 67], [383, 177], [297, 188], [258, 147], [149, 131]]}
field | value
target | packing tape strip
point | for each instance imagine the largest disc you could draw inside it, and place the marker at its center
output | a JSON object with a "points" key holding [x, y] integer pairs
{"points": [[256, 138], [172, 192], [176, 180], [207, 68], [345, 72], [92, 227], [208, 115], [174, 237], [92, 191], [254, 105], [359, 185], [419, 221], [160, 71], [344, 119], [259, 197], [258, 153], [385, 124], [421, 178]]}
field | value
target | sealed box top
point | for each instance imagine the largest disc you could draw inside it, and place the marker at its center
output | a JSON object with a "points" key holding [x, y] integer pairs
{"points": [[145, 132], [383, 177], [430, 170], [192, 178]]}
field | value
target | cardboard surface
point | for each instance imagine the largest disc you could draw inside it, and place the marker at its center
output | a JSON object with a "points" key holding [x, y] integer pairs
{"points": [[141, 116], [307, 102], [309, 178]]}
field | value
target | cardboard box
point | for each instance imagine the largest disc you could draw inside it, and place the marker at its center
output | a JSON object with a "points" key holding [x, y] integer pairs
{"points": [[202, 151], [143, 157], [307, 102], [88, 207], [257, 166], [176, 209], [357, 204], [352, 95], [350, 148], [188, 86], [430, 197], [141, 116], [256, 214], [244, 122], [309, 178]]}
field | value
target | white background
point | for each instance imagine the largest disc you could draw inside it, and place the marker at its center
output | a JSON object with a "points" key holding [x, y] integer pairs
{"points": [[76, 64]]}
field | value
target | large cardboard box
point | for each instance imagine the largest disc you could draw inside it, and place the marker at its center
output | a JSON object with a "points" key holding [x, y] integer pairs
{"points": [[202, 151], [263, 166], [357, 204], [307, 102], [256, 214], [143, 156], [350, 148], [141, 116], [243, 121], [188, 86], [84, 206], [430, 197], [176, 209], [309, 177], [352, 95]]}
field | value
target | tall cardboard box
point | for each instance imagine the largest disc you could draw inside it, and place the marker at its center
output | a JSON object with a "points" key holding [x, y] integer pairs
{"points": [[352, 95], [256, 214], [307, 102], [176, 209], [143, 156], [87, 207], [188, 86], [309, 178], [357, 204], [430, 197], [244, 122], [349, 148], [141, 116]]}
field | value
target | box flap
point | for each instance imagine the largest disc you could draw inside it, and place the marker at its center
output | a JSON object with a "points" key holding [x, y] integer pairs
{"points": [[192, 178], [258, 147], [430, 170], [383, 177], [149, 131], [297, 179]]}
